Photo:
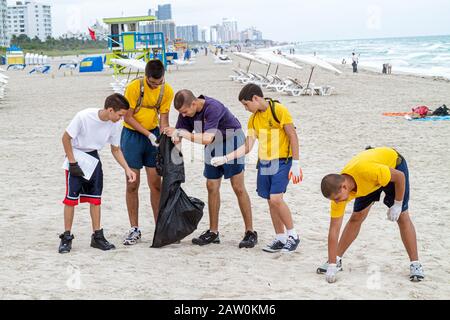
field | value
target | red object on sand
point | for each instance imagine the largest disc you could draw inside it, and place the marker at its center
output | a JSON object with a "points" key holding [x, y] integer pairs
{"points": [[92, 34], [422, 111]]}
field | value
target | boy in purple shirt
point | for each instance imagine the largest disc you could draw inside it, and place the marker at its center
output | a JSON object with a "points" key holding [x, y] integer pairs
{"points": [[220, 131]]}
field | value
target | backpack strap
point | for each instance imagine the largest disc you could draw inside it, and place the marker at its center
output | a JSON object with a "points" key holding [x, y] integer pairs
{"points": [[272, 109], [141, 98]]}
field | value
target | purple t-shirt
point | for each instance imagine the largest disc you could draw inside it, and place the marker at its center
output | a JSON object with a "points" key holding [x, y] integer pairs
{"points": [[214, 116]]}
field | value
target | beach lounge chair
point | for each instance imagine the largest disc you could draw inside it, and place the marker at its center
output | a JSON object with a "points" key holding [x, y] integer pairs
{"points": [[323, 90]]}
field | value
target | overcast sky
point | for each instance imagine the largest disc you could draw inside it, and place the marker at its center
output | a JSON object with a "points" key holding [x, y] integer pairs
{"points": [[282, 20]]}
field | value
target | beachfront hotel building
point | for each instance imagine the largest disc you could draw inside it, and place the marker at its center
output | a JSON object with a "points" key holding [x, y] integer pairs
{"points": [[31, 19], [4, 38], [251, 34], [188, 33], [165, 26], [225, 32]]}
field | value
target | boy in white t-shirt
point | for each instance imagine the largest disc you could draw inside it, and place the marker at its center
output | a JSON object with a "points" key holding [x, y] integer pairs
{"points": [[89, 131]]}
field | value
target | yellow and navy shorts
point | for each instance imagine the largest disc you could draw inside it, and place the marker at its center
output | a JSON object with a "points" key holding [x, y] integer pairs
{"points": [[78, 189]]}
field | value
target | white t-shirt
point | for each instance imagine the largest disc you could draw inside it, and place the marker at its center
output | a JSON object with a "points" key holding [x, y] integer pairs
{"points": [[90, 133], [355, 58]]}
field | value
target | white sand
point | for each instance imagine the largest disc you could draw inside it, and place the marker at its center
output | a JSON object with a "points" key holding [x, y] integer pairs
{"points": [[332, 129]]}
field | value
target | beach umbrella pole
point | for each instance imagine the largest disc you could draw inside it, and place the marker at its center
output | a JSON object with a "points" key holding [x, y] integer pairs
{"points": [[268, 69], [248, 68], [276, 71], [310, 76]]}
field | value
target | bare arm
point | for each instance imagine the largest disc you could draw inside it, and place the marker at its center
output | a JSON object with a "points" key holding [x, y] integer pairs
{"points": [[398, 178], [293, 139], [242, 150], [333, 238], [201, 138], [163, 121], [66, 141], [118, 155]]}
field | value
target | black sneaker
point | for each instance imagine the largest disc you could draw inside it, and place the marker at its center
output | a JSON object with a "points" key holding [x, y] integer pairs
{"points": [[206, 237], [250, 240], [291, 245], [275, 246], [66, 242], [98, 241]]}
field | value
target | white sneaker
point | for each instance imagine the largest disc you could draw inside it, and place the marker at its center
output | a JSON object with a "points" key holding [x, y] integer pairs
{"points": [[133, 237], [323, 268], [416, 272]]}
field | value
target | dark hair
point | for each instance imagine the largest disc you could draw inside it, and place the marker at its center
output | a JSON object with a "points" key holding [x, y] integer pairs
{"points": [[117, 102], [154, 69], [250, 90], [183, 98], [330, 184]]}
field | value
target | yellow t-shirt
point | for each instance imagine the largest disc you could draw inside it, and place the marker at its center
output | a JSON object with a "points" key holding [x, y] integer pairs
{"points": [[273, 140], [370, 169], [148, 118]]}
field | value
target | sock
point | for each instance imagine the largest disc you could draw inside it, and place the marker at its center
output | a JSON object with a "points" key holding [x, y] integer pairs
{"points": [[292, 233], [281, 237], [135, 228], [414, 262]]}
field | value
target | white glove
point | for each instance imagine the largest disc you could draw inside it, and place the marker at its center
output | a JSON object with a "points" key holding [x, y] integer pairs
{"points": [[153, 139], [331, 273], [219, 161], [394, 212], [296, 173]]}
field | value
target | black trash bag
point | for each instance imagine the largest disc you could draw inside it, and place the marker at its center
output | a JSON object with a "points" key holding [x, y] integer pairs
{"points": [[179, 214], [441, 111]]}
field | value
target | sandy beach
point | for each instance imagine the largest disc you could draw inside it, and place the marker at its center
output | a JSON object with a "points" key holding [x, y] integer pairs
{"points": [[37, 108]]}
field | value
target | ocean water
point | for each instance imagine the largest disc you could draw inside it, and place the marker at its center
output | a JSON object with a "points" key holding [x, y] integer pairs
{"points": [[428, 55]]}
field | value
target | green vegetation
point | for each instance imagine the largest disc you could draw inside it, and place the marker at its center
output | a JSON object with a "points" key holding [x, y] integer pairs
{"points": [[59, 47]]}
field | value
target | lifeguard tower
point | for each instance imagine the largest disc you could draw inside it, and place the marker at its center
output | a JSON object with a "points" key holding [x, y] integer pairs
{"points": [[126, 42]]}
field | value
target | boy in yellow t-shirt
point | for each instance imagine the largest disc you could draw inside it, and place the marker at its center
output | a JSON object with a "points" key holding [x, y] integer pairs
{"points": [[364, 178], [150, 99], [271, 123]]}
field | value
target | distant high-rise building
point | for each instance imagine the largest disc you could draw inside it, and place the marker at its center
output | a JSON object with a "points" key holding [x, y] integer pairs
{"points": [[229, 30], [164, 12], [251, 34], [188, 33], [165, 26], [31, 19], [4, 38]]}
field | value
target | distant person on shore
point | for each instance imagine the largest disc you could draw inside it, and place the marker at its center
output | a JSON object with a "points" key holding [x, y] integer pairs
{"points": [[206, 51], [389, 68], [278, 161], [88, 132], [365, 177], [355, 62], [344, 61]]}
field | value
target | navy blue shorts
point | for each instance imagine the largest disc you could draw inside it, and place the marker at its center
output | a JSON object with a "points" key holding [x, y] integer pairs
{"points": [[137, 149], [273, 177], [221, 148], [362, 203], [80, 189]]}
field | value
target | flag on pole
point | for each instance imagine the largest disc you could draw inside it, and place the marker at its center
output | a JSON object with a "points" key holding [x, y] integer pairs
{"points": [[92, 34]]}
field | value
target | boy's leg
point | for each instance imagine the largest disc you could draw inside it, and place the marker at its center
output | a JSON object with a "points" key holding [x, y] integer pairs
{"points": [[154, 183], [69, 212], [351, 230], [276, 220], [95, 217], [213, 186], [132, 199], [280, 209], [238, 184], [408, 234]]}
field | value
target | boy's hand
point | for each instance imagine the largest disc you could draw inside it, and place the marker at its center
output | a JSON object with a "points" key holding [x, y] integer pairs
{"points": [[153, 139], [331, 273], [75, 170], [296, 173], [394, 212], [219, 161], [131, 175]]}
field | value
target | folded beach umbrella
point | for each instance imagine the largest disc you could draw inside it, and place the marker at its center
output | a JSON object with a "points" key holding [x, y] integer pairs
{"points": [[250, 57], [314, 62], [278, 60]]}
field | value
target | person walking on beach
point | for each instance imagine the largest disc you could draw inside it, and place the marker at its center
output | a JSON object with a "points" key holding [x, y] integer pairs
{"points": [[355, 61], [150, 99], [364, 178], [278, 154], [220, 131], [88, 132]]}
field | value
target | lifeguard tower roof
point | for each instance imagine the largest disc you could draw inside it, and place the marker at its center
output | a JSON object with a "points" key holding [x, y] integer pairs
{"points": [[129, 19]]}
